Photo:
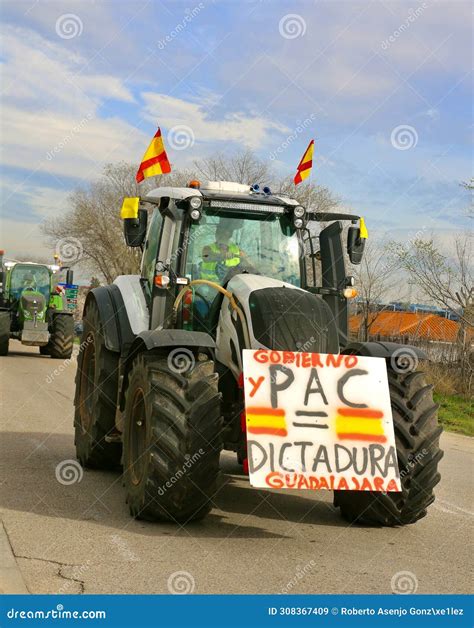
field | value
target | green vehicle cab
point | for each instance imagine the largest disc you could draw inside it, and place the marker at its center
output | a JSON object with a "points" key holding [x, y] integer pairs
{"points": [[36, 309]]}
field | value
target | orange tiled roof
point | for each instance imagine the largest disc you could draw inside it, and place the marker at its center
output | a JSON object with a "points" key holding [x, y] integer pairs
{"points": [[418, 325]]}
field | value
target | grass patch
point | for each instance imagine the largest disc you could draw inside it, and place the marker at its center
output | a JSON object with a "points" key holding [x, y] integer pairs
{"points": [[455, 413]]}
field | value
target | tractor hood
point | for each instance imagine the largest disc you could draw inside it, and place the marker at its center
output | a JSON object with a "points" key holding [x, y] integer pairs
{"points": [[32, 304], [279, 316]]}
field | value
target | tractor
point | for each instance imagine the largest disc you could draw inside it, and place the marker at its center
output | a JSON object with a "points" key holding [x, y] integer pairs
{"points": [[35, 308], [227, 267]]}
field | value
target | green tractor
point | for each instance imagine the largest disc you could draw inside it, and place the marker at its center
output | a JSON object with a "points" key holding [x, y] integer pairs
{"points": [[159, 384], [35, 308]]}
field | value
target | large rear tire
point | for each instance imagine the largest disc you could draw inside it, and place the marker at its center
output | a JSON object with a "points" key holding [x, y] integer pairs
{"points": [[172, 439], [4, 332], [96, 395], [62, 337], [417, 438]]}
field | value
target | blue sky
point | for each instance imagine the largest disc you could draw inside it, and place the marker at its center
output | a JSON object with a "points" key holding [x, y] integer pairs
{"points": [[385, 88]]}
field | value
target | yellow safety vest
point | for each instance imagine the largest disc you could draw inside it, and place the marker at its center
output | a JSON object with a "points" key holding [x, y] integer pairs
{"points": [[208, 269]]}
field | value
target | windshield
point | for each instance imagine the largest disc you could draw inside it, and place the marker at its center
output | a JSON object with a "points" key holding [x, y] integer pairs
{"points": [[262, 243], [29, 277]]}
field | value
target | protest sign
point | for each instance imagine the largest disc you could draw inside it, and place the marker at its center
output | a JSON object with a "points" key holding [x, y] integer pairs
{"points": [[319, 421]]}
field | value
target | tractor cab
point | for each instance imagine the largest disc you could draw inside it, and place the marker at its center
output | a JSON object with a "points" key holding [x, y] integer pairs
{"points": [[30, 291], [206, 234]]}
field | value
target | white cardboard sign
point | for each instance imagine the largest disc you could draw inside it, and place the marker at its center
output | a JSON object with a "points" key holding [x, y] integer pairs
{"points": [[319, 421]]}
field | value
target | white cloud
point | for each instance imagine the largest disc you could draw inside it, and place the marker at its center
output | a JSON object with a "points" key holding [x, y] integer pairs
{"points": [[247, 129], [40, 74], [50, 105]]}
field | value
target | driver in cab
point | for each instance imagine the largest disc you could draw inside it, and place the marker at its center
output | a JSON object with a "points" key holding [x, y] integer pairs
{"points": [[218, 258]]}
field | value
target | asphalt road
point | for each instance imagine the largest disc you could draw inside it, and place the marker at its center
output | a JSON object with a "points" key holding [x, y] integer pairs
{"points": [[79, 537]]}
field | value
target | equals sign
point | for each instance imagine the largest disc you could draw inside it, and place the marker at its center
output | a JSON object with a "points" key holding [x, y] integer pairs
{"points": [[316, 415]]}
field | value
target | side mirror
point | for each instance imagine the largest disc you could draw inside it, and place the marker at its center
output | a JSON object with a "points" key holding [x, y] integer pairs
{"points": [[356, 237], [355, 245], [135, 228]]}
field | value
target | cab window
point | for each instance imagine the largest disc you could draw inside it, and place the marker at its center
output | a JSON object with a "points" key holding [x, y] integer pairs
{"points": [[151, 248]]}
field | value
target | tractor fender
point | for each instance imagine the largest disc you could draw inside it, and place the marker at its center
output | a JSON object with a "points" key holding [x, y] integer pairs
{"points": [[183, 341], [118, 334], [377, 349]]}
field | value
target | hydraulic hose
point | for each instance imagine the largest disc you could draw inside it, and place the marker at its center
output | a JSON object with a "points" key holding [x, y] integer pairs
{"points": [[223, 291]]}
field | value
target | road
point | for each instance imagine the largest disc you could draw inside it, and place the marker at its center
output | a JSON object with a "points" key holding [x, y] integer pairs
{"points": [[78, 537]]}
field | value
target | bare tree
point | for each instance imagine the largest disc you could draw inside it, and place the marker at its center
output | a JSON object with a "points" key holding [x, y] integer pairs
{"points": [[243, 167], [312, 196], [448, 282], [93, 218], [374, 279]]}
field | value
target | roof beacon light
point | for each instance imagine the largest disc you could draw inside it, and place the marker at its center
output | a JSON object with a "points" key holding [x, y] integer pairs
{"points": [[255, 187], [266, 190], [195, 184]]}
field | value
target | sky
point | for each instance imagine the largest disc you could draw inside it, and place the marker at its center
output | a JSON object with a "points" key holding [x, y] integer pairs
{"points": [[384, 88]]}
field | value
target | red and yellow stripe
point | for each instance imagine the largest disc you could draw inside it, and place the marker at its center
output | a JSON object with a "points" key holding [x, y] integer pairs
{"points": [[155, 160], [266, 421], [360, 424], [305, 165]]}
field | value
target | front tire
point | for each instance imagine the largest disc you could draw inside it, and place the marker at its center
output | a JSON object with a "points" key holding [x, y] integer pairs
{"points": [[62, 337], [96, 395], [417, 438], [172, 439]]}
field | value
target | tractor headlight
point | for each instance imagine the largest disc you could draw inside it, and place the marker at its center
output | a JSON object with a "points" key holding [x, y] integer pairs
{"points": [[195, 207], [298, 211], [298, 222], [195, 202]]}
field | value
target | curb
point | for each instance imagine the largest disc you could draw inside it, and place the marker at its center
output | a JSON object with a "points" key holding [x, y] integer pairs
{"points": [[11, 579]]}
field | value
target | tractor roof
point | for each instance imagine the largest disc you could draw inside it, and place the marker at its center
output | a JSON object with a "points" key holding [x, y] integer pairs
{"points": [[223, 190], [215, 191]]}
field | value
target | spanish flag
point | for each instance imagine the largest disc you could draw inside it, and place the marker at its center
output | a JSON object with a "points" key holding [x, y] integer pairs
{"points": [[266, 421], [155, 160], [305, 165], [361, 424]]}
